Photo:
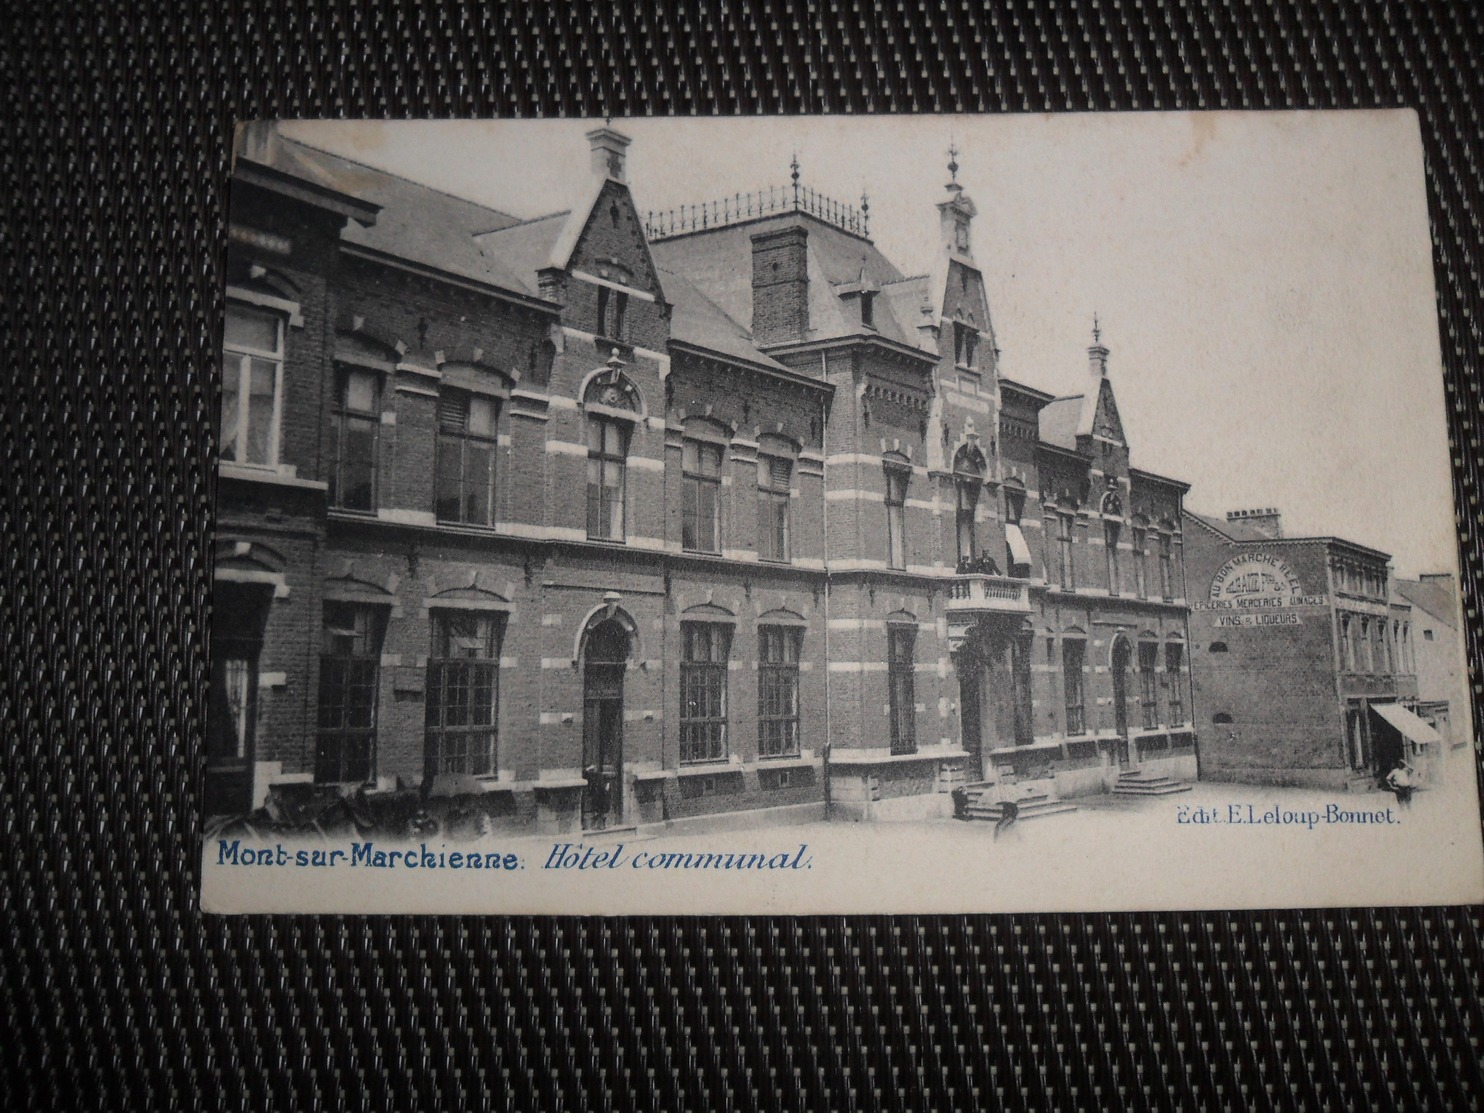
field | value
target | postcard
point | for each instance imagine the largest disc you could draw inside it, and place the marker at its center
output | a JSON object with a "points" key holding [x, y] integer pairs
{"points": [[838, 514]]}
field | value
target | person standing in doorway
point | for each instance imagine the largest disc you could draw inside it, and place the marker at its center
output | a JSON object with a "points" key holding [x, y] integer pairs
{"points": [[1402, 781]]}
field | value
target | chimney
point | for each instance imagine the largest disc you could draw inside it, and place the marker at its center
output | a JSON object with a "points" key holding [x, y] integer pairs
{"points": [[780, 285], [1267, 522], [609, 153], [257, 140]]}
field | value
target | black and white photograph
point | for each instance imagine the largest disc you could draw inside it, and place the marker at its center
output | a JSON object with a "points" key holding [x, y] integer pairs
{"points": [[813, 515]]}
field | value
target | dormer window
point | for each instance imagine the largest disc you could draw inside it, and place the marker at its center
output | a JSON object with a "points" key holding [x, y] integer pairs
{"points": [[868, 309], [965, 346]]}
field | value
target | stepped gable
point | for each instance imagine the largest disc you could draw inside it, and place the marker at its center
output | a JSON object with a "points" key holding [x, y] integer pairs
{"points": [[416, 222]]}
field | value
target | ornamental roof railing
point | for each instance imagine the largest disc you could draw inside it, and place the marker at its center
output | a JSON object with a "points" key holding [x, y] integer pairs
{"points": [[661, 224]]}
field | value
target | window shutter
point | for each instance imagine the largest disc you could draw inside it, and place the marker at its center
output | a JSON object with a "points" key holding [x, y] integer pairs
{"points": [[780, 472], [452, 412]]}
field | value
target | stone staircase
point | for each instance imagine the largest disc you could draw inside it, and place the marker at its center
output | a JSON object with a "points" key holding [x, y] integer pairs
{"points": [[1037, 800], [1135, 783]]}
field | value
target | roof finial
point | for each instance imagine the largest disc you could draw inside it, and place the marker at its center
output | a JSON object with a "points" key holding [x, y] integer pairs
{"points": [[953, 164], [1097, 331], [793, 167], [865, 212]]}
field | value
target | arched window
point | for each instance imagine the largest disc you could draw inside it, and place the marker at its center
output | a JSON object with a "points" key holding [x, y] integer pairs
{"points": [[612, 404], [1217, 647], [1221, 719], [968, 480]]}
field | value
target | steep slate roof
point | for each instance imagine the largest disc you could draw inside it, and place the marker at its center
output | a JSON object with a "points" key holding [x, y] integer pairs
{"points": [[697, 321], [719, 262], [416, 222], [1059, 421], [525, 247], [1437, 599]]}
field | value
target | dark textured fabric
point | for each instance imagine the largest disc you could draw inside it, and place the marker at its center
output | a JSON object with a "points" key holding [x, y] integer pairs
{"points": [[115, 121]]}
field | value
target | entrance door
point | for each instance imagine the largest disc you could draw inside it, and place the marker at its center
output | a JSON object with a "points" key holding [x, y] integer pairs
{"points": [[602, 725], [970, 710], [1121, 652], [238, 616]]}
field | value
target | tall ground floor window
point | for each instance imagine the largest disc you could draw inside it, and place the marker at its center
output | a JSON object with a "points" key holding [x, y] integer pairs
{"points": [[463, 694], [901, 641], [778, 692], [1174, 661], [349, 678], [1072, 654], [1149, 684], [1020, 675], [703, 692]]}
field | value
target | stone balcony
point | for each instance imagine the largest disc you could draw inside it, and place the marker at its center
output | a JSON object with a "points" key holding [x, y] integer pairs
{"points": [[988, 593]]}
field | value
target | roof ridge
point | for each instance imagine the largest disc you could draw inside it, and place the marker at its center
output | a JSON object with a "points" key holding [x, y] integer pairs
{"points": [[525, 221], [400, 177]]}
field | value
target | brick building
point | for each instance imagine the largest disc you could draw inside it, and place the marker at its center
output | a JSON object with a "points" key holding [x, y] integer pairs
{"points": [[623, 520], [1302, 656]]}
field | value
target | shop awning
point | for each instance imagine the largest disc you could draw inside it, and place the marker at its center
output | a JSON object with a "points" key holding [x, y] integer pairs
{"points": [[1020, 554], [1408, 724]]}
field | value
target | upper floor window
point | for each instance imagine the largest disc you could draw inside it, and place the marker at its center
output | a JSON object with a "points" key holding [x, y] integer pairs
{"points": [[1166, 566], [613, 313], [1014, 504], [1111, 530], [607, 454], [703, 691], [252, 375], [349, 685], [896, 518], [464, 469], [357, 421], [967, 491], [700, 524], [774, 483], [1066, 565], [965, 345], [1141, 565], [463, 693]]}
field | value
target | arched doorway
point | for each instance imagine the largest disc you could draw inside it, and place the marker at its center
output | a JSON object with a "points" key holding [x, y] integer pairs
{"points": [[1122, 652], [970, 670], [605, 657]]}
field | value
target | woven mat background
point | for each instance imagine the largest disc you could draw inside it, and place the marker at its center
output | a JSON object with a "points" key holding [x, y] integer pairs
{"points": [[114, 992]]}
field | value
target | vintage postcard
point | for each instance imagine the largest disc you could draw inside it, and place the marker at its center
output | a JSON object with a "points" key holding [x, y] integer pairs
{"points": [[822, 515]]}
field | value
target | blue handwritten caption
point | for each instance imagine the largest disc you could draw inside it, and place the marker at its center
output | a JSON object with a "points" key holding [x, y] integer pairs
{"points": [[564, 855], [1250, 814], [579, 856]]}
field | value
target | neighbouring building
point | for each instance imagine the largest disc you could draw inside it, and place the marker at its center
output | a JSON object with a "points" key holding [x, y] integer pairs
{"points": [[1303, 658], [1442, 681], [622, 519]]}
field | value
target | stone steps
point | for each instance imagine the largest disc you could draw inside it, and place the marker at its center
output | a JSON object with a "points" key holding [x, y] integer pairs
{"points": [[1136, 784], [985, 799]]}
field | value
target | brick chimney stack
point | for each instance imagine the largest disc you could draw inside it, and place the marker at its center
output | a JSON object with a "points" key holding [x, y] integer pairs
{"points": [[780, 285], [1267, 522], [609, 153]]}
